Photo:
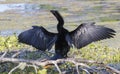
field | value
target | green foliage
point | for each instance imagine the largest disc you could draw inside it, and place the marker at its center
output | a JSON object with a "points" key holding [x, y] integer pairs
{"points": [[9, 42], [43, 71], [98, 52]]}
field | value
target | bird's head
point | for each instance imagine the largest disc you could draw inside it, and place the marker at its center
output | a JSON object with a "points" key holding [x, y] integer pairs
{"points": [[58, 17], [54, 12]]}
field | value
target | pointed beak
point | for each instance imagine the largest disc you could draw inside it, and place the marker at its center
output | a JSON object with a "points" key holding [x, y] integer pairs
{"points": [[53, 11]]}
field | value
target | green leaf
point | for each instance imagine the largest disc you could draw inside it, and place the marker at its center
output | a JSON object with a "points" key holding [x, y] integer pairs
{"points": [[43, 71]]}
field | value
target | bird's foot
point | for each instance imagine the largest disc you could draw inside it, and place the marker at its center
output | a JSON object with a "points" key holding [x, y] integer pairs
{"points": [[57, 56]]}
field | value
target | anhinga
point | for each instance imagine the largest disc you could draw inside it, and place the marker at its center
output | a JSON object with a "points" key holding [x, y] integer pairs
{"points": [[83, 35]]}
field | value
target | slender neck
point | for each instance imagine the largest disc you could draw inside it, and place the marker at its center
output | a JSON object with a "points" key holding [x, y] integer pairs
{"points": [[59, 19]]}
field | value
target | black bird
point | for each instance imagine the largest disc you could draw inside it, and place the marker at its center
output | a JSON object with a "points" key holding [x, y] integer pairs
{"points": [[83, 35]]}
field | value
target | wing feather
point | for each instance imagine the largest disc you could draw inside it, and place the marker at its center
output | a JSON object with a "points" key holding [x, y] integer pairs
{"points": [[38, 37], [88, 32]]}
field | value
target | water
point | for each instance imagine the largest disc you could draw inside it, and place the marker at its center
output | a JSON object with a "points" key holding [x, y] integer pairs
{"points": [[10, 32], [20, 7]]}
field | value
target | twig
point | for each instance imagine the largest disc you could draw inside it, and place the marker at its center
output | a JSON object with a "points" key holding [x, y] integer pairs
{"points": [[16, 54], [55, 63], [77, 68], [35, 67], [14, 69], [113, 70], [86, 71], [3, 54]]}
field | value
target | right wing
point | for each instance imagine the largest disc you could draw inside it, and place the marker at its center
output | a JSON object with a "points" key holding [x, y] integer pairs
{"points": [[38, 37], [87, 33]]}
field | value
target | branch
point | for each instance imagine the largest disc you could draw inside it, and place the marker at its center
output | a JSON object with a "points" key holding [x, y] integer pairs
{"points": [[113, 70], [35, 63]]}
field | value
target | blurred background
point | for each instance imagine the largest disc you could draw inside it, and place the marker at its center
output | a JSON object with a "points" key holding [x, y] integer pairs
{"points": [[18, 15]]}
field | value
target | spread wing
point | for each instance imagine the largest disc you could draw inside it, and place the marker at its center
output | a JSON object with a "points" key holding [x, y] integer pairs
{"points": [[38, 37], [88, 32]]}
